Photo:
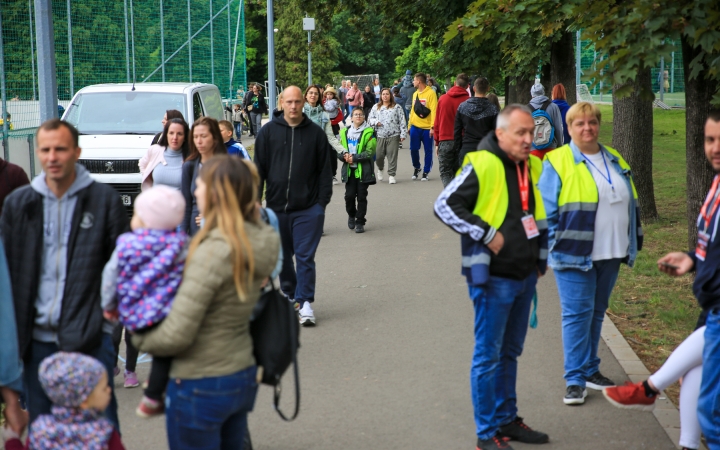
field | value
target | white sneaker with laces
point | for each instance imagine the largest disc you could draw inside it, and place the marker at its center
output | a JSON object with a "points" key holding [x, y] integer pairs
{"points": [[380, 177], [307, 315], [391, 180]]}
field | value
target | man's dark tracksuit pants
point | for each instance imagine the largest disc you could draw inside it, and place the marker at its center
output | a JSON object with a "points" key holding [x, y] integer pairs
{"points": [[300, 233]]}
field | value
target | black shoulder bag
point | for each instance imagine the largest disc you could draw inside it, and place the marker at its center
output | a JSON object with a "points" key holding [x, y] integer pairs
{"points": [[421, 110]]}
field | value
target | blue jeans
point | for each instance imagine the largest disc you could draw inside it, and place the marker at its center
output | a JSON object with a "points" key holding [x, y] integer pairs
{"points": [[210, 413], [502, 313], [584, 297], [300, 233], [238, 130], [709, 400], [37, 400], [417, 136]]}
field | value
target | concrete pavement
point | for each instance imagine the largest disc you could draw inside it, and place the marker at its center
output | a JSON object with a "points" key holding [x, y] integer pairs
{"points": [[387, 366]]}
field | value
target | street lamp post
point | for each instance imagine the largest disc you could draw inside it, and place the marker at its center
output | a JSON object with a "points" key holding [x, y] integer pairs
{"points": [[309, 26], [271, 55]]}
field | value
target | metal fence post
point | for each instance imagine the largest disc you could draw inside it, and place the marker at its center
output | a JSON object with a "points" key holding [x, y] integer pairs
{"points": [[162, 40], [189, 43], [271, 55], [672, 73], [31, 147], [578, 57], [132, 38], [32, 48], [127, 44], [661, 78], [47, 77], [70, 51], [3, 93], [230, 85], [212, 46]]}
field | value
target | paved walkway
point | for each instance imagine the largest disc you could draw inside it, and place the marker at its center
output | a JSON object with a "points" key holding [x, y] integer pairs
{"points": [[387, 366]]}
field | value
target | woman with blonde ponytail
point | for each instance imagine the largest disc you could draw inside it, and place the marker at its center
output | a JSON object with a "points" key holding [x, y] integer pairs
{"points": [[213, 374]]}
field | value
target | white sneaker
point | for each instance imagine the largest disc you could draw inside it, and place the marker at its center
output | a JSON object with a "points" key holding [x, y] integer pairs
{"points": [[380, 177], [391, 180], [307, 315], [335, 181]]}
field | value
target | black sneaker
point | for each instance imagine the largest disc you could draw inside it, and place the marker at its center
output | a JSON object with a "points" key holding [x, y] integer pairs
{"points": [[424, 177], [416, 172], [351, 223], [359, 228], [493, 444], [518, 431], [598, 381], [575, 395]]}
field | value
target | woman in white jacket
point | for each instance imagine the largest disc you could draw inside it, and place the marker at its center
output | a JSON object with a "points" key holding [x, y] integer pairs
{"points": [[388, 118]]}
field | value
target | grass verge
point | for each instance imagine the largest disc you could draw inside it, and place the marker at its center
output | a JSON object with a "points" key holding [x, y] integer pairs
{"points": [[654, 312]]}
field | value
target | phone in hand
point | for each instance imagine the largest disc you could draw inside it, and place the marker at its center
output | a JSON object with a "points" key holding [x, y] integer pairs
{"points": [[669, 266]]}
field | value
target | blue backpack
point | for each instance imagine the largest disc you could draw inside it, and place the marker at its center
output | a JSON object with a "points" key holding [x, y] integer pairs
{"points": [[544, 134]]}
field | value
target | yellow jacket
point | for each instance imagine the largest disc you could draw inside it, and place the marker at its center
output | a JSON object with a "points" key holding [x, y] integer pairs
{"points": [[430, 99]]}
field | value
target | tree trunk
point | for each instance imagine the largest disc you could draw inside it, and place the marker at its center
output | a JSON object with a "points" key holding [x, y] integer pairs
{"points": [[522, 89], [632, 137], [562, 65], [698, 93], [545, 79], [510, 91]]}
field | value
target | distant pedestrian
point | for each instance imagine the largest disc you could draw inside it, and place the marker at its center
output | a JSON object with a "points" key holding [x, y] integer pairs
{"points": [[495, 205], [560, 99], [233, 147], [256, 107], [169, 115], [475, 119], [377, 88], [495, 100], [594, 220], [162, 163], [368, 100], [355, 98], [207, 330], [358, 170], [549, 129], [12, 177], [315, 111], [63, 220], [333, 108], [292, 155], [407, 90], [237, 118], [78, 387], [447, 151], [422, 121], [206, 142], [388, 119], [342, 94]]}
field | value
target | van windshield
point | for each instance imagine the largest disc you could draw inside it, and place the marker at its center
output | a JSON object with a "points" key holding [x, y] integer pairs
{"points": [[122, 112]]}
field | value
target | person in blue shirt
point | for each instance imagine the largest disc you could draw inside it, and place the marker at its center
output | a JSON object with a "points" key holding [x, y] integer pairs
{"points": [[233, 146]]}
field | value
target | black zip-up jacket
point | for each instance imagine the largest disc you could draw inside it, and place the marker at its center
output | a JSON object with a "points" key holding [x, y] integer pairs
{"points": [[475, 119], [706, 286], [294, 164], [519, 256], [89, 249]]}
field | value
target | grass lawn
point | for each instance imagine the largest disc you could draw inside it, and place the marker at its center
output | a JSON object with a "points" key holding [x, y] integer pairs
{"points": [[654, 312]]}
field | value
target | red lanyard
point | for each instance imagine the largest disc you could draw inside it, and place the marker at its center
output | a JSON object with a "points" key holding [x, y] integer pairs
{"points": [[524, 187], [710, 199]]}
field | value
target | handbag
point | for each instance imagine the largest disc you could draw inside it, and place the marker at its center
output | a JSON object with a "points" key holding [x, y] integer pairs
{"points": [[275, 332], [421, 110]]}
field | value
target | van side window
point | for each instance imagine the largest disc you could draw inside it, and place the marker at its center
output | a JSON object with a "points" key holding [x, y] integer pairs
{"points": [[197, 107], [212, 103]]}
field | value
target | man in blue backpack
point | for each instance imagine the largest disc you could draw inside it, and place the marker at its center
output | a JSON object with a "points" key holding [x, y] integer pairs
{"points": [[548, 122]]}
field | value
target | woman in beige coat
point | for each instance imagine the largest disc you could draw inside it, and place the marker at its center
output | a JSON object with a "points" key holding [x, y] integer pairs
{"points": [[213, 375]]}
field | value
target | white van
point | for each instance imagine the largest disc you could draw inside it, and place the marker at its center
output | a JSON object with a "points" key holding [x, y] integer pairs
{"points": [[117, 123]]}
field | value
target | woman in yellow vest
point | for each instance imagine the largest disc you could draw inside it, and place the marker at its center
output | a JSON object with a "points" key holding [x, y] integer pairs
{"points": [[594, 225]]}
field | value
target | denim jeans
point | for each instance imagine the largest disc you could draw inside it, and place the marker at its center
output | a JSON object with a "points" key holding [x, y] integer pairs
{"points": [[210, 413], [38, 402], [300, 233], [584, 297], [238, 130], [709, 401], [502, 313]]}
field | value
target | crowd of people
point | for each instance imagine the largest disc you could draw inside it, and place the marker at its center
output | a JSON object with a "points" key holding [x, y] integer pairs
{"points": [[527, 187]]}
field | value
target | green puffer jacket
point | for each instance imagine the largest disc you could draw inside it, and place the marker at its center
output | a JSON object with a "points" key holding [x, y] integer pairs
{"points": [[364, 156]]}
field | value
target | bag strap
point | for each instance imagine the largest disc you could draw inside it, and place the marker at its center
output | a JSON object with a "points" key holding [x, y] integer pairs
{"points": [[296, 373]]}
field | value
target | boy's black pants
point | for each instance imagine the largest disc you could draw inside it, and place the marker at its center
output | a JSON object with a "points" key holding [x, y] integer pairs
{"points": [[355, 189]]}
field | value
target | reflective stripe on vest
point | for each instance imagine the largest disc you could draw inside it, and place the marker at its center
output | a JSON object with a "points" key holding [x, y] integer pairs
{"points": [[578, 201]]}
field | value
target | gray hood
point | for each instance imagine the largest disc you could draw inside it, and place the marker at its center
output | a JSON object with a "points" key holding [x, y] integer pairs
{"points": [[537, 102], [57, 221], [408, 81]]}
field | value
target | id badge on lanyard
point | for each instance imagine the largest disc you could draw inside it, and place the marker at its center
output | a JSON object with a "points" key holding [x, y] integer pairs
{"points": [[703, 241], [528, 221]]}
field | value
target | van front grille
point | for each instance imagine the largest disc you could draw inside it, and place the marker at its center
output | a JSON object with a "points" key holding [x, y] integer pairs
{"points": [[111, 165], [128, 193]]}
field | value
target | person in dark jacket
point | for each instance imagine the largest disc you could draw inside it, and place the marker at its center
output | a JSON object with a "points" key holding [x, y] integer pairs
{"points": [[58, 233], [559, 97], [705, 261], [475, 119], [368, 100], [292, 155], [358, 170], [12, 177], [504, 248], [255, 106]]}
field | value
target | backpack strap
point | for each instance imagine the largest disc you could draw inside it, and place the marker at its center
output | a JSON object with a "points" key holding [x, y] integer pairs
{"points": [[545, 105]]}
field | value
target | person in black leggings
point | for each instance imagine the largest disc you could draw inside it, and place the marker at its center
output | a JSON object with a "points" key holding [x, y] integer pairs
{"points": [[131, 357]]}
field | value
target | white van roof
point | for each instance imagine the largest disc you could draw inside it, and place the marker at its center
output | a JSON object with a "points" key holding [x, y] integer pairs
{"points": [[143, 87]]}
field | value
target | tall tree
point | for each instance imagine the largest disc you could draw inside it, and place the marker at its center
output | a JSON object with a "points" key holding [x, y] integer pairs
{"points": [[562, 64]]}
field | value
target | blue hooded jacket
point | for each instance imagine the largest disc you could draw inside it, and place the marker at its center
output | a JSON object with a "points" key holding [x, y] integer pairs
{"points": [[10, 365]]}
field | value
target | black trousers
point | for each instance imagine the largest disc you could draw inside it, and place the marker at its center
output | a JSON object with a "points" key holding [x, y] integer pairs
{"points": [[159, 377], [356, 190], [131, 353]]}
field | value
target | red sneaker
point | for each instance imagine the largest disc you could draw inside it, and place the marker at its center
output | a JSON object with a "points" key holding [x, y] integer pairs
{"points": [[149, 408], [630, 396]]}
